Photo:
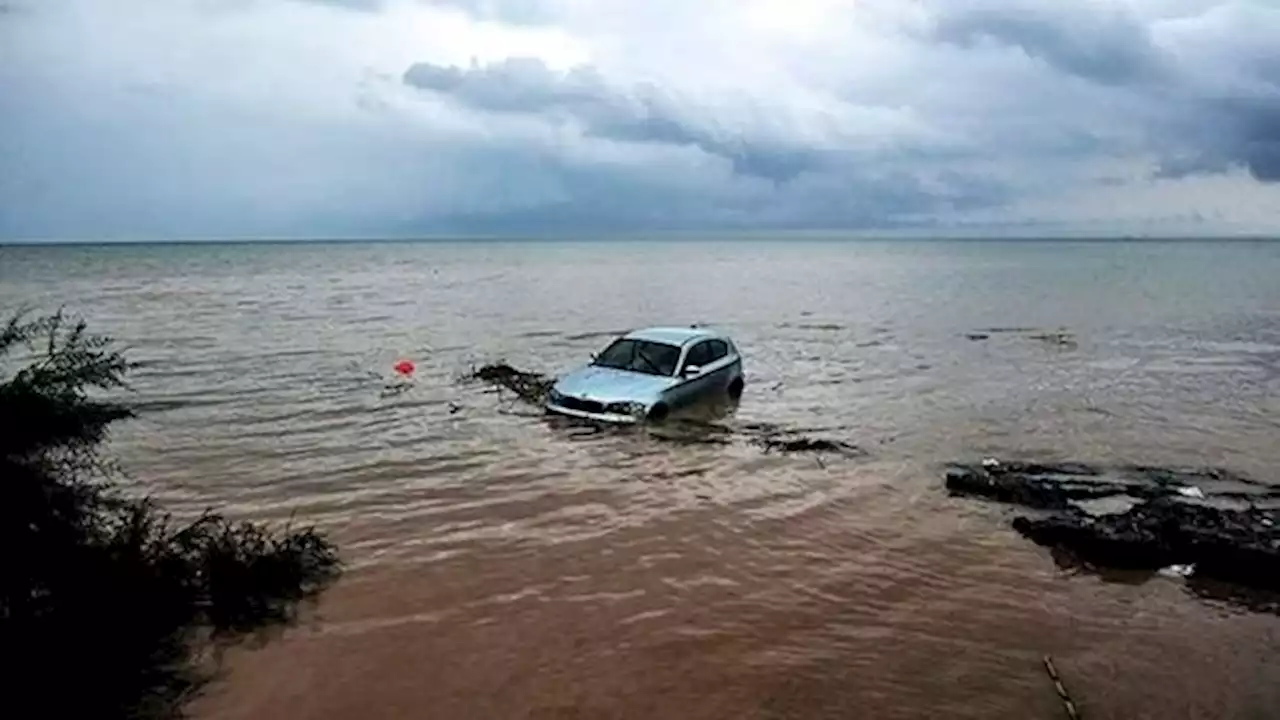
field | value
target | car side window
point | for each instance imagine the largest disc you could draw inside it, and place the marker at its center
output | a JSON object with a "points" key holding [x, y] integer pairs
{"points": [[699, 354], [718, 350]]}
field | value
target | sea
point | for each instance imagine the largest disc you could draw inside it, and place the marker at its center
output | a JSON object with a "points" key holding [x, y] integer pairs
{"points": [[502, 564]]}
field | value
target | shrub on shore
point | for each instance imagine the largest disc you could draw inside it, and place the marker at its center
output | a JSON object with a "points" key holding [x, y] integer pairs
{"points": [[107, 603]]}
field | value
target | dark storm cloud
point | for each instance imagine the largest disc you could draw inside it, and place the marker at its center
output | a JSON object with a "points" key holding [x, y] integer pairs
{"points": [[1215, 104], [1260, 140], [1105, 45], [601, 200], [795, 114], [643, 113], [1238, 99], [1243, 130]]}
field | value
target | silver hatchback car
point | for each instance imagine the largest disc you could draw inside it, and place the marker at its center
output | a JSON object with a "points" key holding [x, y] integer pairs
{"points": [[645, 374]]}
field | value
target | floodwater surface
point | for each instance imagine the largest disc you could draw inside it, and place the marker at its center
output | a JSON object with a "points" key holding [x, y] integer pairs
{"points": [[504, 565]]}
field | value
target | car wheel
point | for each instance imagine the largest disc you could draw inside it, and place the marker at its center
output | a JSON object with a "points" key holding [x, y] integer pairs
{"points": [[658, 412], [735, 389]]}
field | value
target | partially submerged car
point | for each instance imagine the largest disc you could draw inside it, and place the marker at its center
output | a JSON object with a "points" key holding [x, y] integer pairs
{"points": [[645, 374]]}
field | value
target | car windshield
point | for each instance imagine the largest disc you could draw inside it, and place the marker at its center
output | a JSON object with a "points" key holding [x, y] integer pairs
{"points": [[643, 356]]}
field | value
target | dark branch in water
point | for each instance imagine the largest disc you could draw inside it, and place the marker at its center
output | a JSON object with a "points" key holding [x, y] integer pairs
{"points": [[106, 602], [531, 387], [1068, 704]]}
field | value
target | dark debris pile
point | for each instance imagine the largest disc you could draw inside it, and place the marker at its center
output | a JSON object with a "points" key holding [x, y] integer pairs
{"points": [[531, 387], [807, 444], [1219, 525]]}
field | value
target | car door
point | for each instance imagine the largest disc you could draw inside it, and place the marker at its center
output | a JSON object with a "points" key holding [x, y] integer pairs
{"points": [[715, 360], [690, 388], [718, 367]]}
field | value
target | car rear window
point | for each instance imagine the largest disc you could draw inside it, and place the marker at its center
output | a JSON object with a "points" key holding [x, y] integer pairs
{"points": [[718, 349]]}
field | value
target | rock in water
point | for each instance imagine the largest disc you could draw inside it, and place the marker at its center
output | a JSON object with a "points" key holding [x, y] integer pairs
{"points": [[1240, 546], [1041, 486], [1171, 524]]}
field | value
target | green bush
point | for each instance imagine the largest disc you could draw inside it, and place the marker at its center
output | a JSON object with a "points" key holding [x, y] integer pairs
{"points": [[107, 604]]}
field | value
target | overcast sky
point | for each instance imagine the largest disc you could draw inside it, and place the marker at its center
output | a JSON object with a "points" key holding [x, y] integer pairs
{"points": [[216, 118]]}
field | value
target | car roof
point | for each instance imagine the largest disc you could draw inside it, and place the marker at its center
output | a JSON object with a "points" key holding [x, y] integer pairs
{"points": [[678, 336]]}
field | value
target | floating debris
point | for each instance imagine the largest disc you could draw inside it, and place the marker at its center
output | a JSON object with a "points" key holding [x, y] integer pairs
{"points": [[1178, 571], [531, 387], [393, 389], [1068, 704], [807, 444], [1061, 337]]}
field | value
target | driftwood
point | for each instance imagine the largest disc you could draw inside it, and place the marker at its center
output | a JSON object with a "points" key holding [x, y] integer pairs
{"points": [[1068, 704]]}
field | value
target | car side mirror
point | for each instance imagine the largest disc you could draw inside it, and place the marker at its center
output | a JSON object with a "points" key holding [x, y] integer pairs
{"points": [[692, 371]]}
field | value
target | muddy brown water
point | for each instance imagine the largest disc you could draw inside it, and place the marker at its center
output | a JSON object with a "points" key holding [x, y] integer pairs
{"points": [[503, 565]]}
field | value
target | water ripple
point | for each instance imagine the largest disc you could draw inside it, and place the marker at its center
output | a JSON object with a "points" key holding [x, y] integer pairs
{"points": [[529, 568]]}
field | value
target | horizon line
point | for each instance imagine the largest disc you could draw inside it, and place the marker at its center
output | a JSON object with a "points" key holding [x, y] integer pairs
{"points": [[664, 236]]}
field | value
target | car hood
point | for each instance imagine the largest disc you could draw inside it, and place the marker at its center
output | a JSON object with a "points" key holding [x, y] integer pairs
{"points": [[613, 385]]}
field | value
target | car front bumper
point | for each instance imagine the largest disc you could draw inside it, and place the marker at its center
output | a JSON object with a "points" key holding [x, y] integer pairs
{"points": [[605, 417]]}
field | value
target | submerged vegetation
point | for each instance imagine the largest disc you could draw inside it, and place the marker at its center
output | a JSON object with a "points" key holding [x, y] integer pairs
{"points": [[108, 605]]}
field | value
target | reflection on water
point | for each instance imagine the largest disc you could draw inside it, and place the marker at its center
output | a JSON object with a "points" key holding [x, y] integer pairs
{"points": [[508, 565]]}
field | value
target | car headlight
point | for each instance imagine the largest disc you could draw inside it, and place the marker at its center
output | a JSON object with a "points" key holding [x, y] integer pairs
{"points": [[625, 408]]}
